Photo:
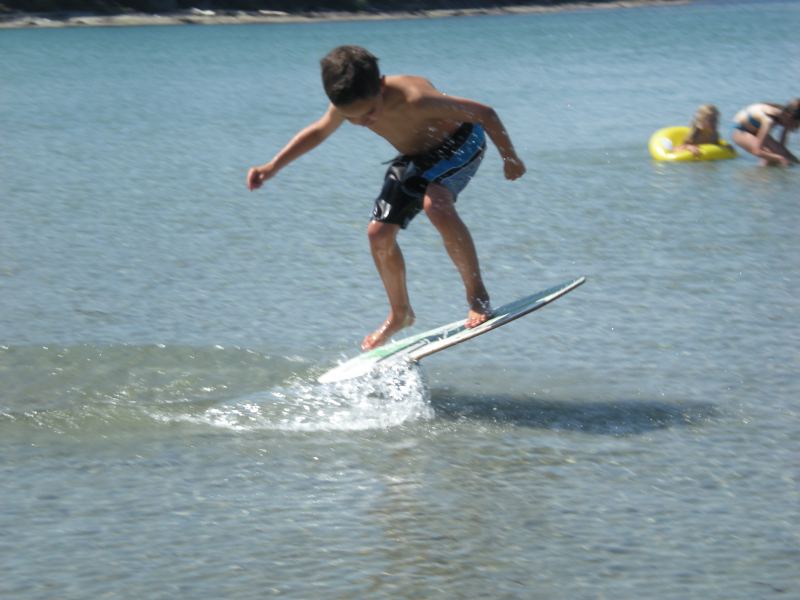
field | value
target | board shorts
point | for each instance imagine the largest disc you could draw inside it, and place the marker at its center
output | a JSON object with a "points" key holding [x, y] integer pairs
{"points": [[452, 165]]}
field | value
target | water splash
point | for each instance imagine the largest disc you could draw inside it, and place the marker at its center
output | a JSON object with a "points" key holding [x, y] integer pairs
{"points": [[388, 397]]}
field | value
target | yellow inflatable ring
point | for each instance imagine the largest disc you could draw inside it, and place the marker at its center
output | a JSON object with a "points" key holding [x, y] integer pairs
{"points": [[664, 140]]}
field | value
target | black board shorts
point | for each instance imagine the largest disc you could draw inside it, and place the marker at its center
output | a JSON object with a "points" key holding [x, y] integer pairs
{"points": [[452, 165]]}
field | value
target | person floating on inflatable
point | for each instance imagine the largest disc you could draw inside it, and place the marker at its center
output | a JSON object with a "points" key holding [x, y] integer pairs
{"points": [[703, 130], [753, 126], [700, 141]]}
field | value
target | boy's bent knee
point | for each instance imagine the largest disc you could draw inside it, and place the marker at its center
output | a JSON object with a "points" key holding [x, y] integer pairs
{"points": [[382, 235], [439, 205]]}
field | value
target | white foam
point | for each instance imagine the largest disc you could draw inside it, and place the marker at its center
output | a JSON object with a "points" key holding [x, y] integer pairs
{"points": [[388, 397]]}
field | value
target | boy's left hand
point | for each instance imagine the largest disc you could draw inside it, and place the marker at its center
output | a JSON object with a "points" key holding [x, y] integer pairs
{"points": [[513, 168], [258, 175]]}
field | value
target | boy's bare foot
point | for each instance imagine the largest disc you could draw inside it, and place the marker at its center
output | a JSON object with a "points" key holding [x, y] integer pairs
{"points": [[479, 312], [390, 326]]}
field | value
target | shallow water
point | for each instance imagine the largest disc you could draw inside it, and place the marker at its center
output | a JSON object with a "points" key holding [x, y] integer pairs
{"points": [[161, 431]]}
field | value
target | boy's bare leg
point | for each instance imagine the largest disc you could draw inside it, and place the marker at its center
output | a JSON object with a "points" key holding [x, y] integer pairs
{"points": [[392, 269], [441, 211]]}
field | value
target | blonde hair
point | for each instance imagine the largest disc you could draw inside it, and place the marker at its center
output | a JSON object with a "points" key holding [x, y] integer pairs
{"points": [[696, 131], [704, 112]]}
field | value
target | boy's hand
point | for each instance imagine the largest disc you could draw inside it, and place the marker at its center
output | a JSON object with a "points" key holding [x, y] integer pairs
{"points": [[258, 175], [513, 168]]}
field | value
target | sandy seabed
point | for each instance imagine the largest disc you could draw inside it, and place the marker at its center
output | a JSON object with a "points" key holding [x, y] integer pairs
{"points": [[209, 17]]}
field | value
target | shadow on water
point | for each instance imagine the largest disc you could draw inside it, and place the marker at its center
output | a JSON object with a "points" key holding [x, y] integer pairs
{"points": [[611, 417]]}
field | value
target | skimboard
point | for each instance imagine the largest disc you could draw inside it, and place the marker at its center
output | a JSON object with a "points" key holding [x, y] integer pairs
{"points": [[417, 347]]}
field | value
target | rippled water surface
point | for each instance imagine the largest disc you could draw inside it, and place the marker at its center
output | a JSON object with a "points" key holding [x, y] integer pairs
{"points": [[162, 434]]}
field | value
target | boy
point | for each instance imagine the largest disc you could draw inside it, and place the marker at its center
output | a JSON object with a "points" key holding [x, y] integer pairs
{"points": [[441, 143]]}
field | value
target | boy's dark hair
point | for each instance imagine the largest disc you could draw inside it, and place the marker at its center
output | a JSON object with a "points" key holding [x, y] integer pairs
{"points": [[350, 73]]}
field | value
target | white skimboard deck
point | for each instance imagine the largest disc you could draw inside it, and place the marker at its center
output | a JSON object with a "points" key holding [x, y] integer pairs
{"points": [[417, 347]]}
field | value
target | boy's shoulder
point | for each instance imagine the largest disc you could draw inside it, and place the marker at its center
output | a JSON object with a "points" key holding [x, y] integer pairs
{"points": [[409, 81], [409, 87]]}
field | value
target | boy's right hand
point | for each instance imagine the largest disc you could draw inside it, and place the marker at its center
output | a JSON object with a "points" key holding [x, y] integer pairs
{"points": [[513, 168], [258, 175]]}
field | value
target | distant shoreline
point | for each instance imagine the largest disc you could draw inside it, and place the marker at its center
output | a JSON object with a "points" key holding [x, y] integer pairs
{"points": [[228, 17]]}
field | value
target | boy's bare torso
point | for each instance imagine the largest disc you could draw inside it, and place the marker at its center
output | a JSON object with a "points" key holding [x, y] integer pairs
{"points": [[406, 119]]}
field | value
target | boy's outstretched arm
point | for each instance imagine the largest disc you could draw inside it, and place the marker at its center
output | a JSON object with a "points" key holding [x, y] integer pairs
{"points": [[306, 139], [463, 109]]}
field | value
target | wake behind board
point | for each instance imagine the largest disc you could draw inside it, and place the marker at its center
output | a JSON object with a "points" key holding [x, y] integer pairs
{"points": [[417, 347]]}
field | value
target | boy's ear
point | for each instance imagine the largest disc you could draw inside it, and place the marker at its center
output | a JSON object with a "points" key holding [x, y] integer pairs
{"points": [[383, 81]]}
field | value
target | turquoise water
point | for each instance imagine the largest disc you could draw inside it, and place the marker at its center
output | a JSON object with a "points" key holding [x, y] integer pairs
{"points": [[161, 328]]}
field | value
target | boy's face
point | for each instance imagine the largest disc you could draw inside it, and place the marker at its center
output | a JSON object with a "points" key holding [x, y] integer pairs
{"points": [[364, 112]]}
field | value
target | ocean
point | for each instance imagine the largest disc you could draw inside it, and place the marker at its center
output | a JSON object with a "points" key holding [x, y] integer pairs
{"points": [[162, 434]]}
